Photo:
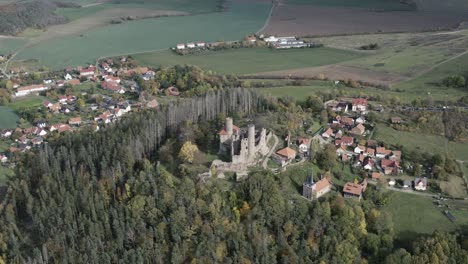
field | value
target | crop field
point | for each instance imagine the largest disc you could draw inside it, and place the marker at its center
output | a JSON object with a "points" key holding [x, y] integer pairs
{"points": [[310, 20], [368, 4], [422, 142], [413, 214], [7, 118], [250, 60], [10, 44], [26, 102], [147, 35]]}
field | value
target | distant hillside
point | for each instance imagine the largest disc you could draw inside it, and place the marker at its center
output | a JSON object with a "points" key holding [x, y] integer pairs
{"points": [[14, 18]]}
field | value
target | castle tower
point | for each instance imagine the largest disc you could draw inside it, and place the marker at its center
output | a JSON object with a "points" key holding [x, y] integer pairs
{"points": [[229, 127], [251, 139]]}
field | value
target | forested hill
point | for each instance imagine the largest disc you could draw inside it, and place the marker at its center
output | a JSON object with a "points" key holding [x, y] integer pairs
{"points": [[102, 198], [16, 17]]}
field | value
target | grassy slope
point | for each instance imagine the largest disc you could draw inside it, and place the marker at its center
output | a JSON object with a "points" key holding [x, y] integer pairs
{"points": [[416, 214], [7, 118], [149, 34], [9, 45], [423, 142], [252, 60]]}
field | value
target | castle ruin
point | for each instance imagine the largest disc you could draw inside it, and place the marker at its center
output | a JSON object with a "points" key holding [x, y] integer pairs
{"points": [[243, 147]]}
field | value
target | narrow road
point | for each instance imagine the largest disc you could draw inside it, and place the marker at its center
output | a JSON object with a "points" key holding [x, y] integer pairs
{"points": [[268, 19], [267, 157]]}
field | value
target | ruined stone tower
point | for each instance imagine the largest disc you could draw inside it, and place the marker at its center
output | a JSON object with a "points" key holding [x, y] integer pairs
{"points": [[251, 142]]}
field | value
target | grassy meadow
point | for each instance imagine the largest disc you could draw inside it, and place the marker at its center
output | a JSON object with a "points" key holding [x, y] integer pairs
{"points": [[8, 118], [422, 142], [148, 35], [425, 220], [250, 60], [9, 45]]}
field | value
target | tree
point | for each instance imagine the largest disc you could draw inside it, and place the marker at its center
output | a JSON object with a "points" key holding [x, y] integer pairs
{"points": [[314, 103], [326, 158], [188, 151]]}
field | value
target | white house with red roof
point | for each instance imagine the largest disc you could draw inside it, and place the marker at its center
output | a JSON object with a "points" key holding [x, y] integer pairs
{"points": [[359, 105], [180, 46]]}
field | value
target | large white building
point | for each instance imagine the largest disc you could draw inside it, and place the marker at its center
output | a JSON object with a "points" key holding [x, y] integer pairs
{"points": [[23, 91]]}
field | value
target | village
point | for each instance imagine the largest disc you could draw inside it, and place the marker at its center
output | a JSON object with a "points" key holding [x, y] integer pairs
{"points": [[65, 110]]}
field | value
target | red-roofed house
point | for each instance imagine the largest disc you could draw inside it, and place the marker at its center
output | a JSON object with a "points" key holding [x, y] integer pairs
{"points": [[287, 155], [347, 141], [112, 86], [328, 133], [390, 166], [354, 190], [75, 121], [88, 72], [30, 89], [358, 130], [359, 105]]}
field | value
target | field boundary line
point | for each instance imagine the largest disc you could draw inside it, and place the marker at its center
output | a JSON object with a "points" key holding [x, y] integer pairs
{"points": [[268, 19]]}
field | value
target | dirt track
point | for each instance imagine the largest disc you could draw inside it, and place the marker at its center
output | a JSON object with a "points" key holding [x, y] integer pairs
{"points": [[302, 20], [340, 72]]}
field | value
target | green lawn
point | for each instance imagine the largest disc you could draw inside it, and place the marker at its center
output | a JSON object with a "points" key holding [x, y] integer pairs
{"points": [[241, 19], [413, 214], [7, 118], [390, 5], [423, 142], [250, 60], [26, 102]]}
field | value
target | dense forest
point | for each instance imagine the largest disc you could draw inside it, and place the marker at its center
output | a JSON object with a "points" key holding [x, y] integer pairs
{"points": [[104, 198], [16, 17]]}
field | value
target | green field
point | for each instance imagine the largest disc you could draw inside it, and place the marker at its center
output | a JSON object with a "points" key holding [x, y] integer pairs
{"points": [[423, 142], [148, 34], [9, 45], [371, 4], [413, 214], [26, 102], [250, 60], [8, 118]]}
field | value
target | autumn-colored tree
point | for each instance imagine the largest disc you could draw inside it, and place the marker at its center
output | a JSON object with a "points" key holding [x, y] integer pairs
{"points": [[188, 151]]}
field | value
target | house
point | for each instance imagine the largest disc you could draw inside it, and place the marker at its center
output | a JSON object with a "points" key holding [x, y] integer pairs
{"points": [[112, 86], [311, 190], [75, 121], [347, 141], [328, 133], [73, 82], [303, 145], [251, 39], [201, 44], [68, 77], [63, 99], [270, 39], [30, 89], [47, 104], [3, 158], [391, 183], [359, 105], [396, 155], [41, 124], [370, 152], [48, 81], [338, 134], [152, 104], [172, 91], [6, 133], [191, 45], [360, 120], [354, 190], [381, 152], [368, 164], [37, 140], [287, 155], [420, 184], [55, 108], [390, 166], [88, 72], [110, 78], [395, 120], [358, 130], [407, 184], [347, 121], [341, 107], [64, 128], [376, 176], [180, 46], [359, 149]]}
